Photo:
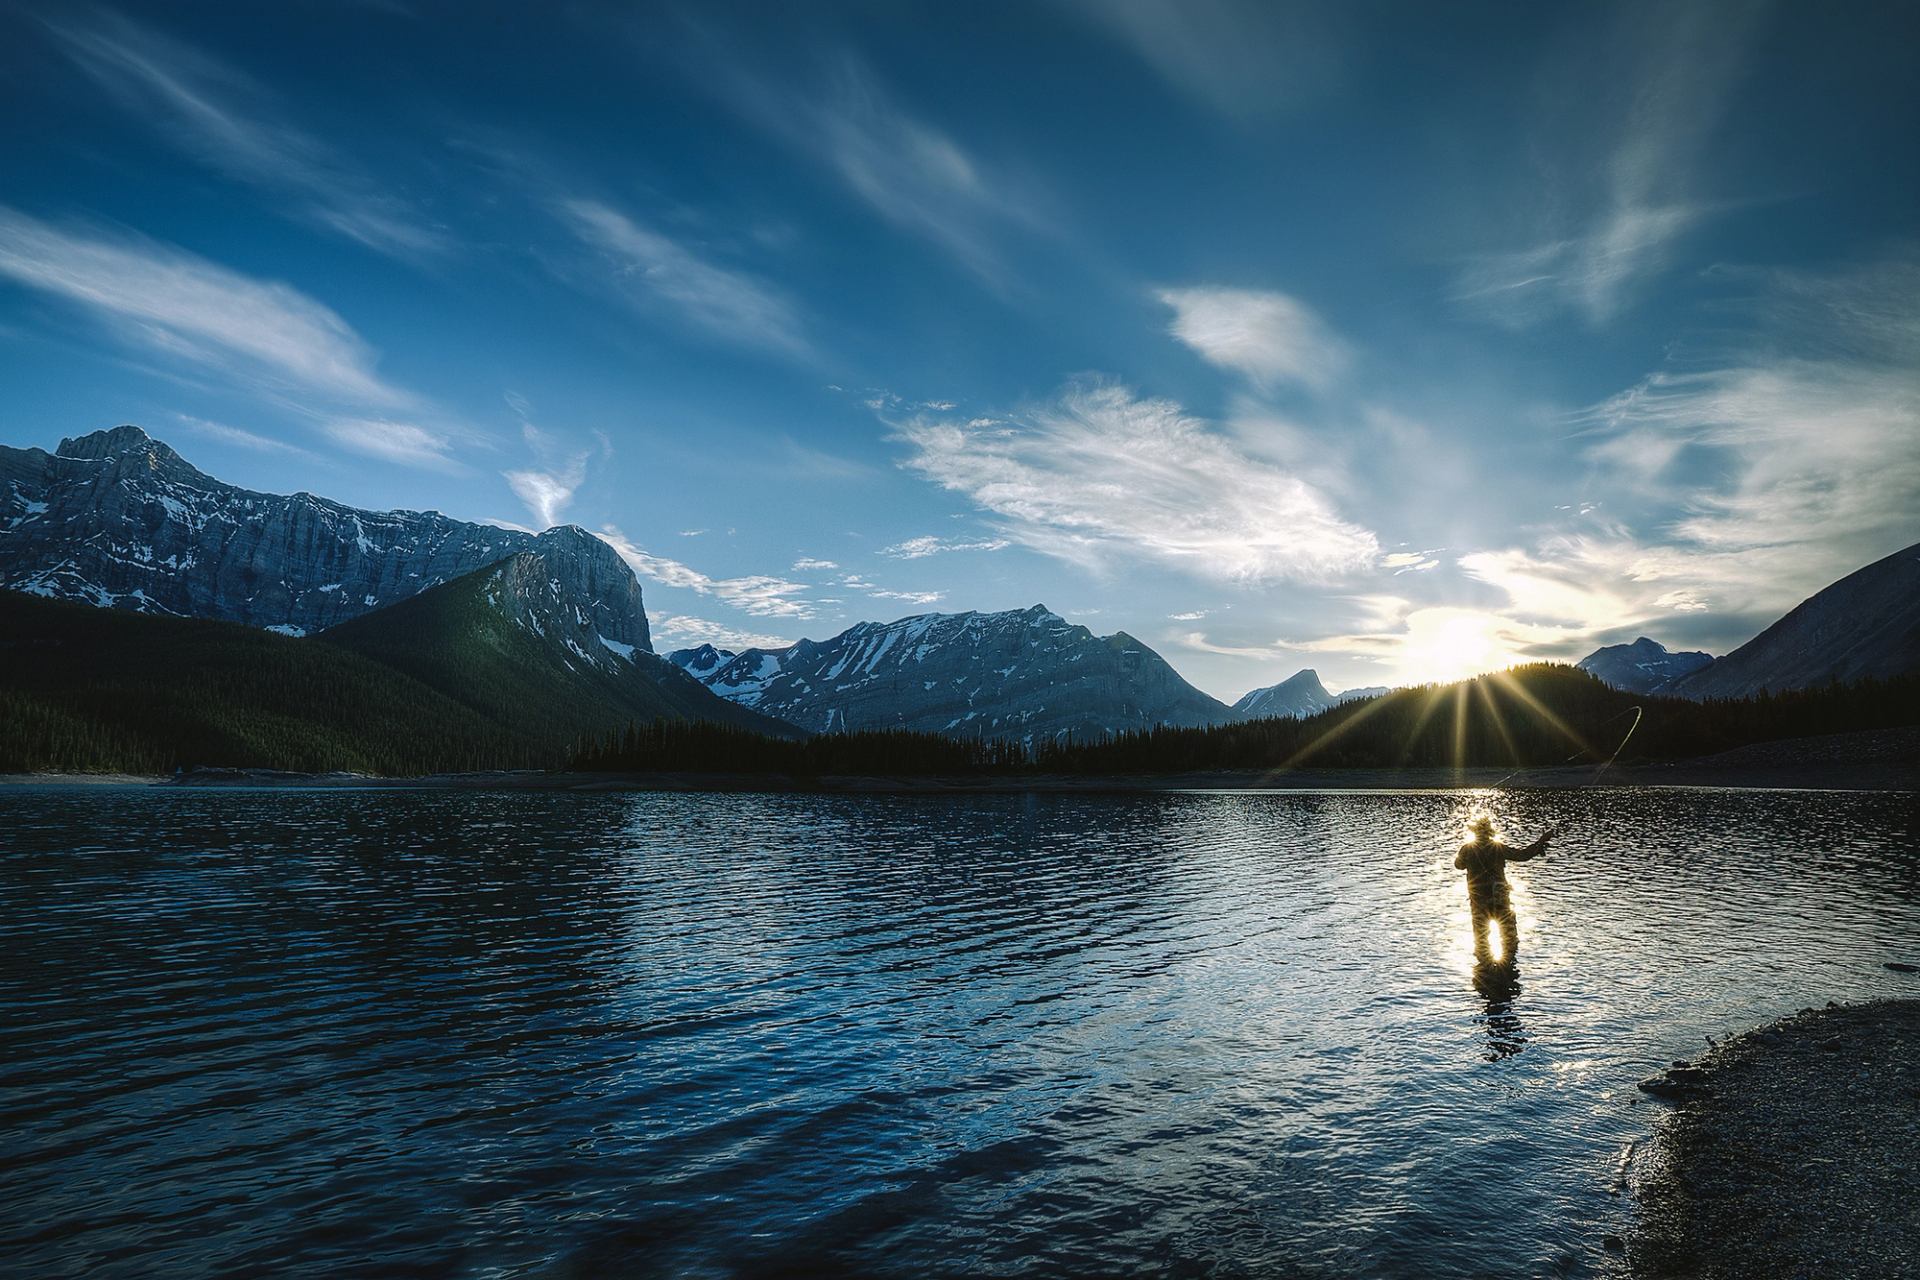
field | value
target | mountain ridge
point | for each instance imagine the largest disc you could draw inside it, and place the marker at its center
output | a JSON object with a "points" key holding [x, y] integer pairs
{"points": [[1645, 666], [1863, 626], [1300, 694], [1024, 673], [117, 518]]}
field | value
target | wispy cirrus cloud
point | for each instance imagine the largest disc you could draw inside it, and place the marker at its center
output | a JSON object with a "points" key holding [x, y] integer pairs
{"points": [[1667, 76], [406, 443], [761, 595], [1100, 472], [241, 438], [651, 271], [931, 545], [910, 172], [224, 119], [185, 305], [263, 332], [811, 564], [1783, 465], [546, 494], [1243, 58], [1270, 337], [547, 488]]}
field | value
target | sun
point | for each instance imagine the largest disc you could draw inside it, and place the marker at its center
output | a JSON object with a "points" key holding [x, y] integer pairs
{"points": [[1445, 644]]}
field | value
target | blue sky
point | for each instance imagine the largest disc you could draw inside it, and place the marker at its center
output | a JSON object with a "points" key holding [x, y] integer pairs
{"points": [[1396, 341]]}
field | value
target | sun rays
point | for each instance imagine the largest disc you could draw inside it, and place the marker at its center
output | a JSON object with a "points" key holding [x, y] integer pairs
{"points": [[1494, 721]]}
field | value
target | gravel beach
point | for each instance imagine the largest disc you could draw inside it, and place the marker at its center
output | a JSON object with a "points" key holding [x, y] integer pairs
{"points": [[1791, 1152]]}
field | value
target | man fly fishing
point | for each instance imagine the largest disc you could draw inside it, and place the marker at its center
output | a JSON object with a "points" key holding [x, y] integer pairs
{"points": [[1485, 860]]}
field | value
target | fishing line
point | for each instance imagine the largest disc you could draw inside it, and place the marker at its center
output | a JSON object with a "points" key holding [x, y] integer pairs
{"points": [[1638, 715]]}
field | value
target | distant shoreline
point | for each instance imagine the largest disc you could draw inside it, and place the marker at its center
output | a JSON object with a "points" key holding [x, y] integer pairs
{"points": [[1875, 760], [1816, 775]]}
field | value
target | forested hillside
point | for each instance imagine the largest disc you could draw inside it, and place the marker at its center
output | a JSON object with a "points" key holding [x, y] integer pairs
{"points": [[1527, 717]]}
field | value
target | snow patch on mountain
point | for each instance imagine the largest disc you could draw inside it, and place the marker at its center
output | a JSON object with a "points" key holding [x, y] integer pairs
{"points": [[1645, 666], [1027, 674], [119, 520]]}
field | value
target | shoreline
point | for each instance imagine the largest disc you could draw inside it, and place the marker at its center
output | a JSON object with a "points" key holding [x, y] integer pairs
{"points": [[1789, 1152], [1814, 777], [1874, 760]]}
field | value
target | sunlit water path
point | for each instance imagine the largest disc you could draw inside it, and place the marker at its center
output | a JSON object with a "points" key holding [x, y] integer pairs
{"points": [[336, 1033]]}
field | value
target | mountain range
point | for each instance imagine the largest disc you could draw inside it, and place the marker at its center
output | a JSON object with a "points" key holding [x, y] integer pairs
{"points": [[1865, 626], [118, 518], [516, 645], [1027, 674]]}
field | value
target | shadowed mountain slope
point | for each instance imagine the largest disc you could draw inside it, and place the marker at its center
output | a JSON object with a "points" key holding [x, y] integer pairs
{"points": [[1866, 626], [487, 672], [510, 643]]}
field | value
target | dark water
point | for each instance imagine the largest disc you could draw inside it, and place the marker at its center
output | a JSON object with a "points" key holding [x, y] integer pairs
{"points": [[335, 1033]]}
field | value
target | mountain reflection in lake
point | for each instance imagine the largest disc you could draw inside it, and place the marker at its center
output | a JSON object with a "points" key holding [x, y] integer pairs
{"points": [[334, 1033]]}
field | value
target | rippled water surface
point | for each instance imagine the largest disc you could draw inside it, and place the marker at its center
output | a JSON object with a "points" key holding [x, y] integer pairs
{"points": [[426, 1033]]}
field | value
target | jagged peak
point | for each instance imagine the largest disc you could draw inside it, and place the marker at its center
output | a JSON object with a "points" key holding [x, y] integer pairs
{"points": [[126, 445], [112, 442]]}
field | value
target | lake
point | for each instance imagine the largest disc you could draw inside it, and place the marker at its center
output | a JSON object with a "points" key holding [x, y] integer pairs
{"points": [[330, 1033]]}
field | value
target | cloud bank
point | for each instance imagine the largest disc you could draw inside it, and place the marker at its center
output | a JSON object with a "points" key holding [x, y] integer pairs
{"points": [[1101, 474]]}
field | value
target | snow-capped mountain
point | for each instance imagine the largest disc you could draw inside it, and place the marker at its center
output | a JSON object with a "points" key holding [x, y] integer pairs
{"points": [[1645, 666], [1300, 694], [702, 661], [1865, 626], [1027, 674], [118, 519]]}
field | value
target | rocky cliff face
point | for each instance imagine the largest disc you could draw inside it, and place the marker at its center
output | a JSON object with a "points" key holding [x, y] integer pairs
{"points": [[1028, 674], [1865, 626], [529, 590], [1645, 666], [120, 520]]}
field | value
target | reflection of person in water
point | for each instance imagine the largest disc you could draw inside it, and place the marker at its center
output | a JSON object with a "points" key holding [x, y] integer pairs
{"points": [[1485, 860], [1499, 985]]}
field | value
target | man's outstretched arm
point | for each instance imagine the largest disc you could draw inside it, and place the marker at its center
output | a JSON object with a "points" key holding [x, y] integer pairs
{"points": [[1533, 850]]}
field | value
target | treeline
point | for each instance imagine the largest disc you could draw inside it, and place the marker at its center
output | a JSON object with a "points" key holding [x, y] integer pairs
{"points": [[1527, 717], [85, 690], [439, 685]]}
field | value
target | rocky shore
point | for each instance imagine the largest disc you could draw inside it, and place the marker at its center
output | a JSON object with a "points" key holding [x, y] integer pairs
{"points": [[1791, 1152]]}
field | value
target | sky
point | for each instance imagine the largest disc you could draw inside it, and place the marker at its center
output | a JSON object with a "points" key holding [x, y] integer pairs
{"points": [[1400, 342]]}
